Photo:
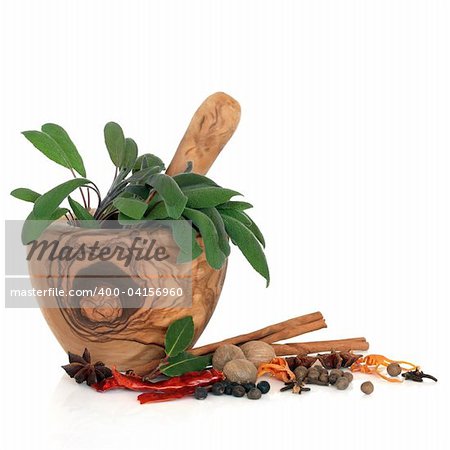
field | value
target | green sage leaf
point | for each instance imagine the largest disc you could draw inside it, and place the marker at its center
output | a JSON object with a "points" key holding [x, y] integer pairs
{"points": [[186, 238], [170, 193], [25, 194], [48, 146], [248, 244], [216, 218], [158, 212], [82, 214], [48, 202], [233, 204], [184, 363], [238, 215], [131, 207], [129, 155], [148, 160], [179, 335], [214, 254], [67, 146], [138, 190], [115, 142], [208, 197], [33, 228], [193, 180], [141, 176], [256, 231]]}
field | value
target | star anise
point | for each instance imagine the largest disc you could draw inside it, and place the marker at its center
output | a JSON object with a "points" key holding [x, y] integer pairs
{"points": [[336, 360], [331, 360], [81, 369], [305, 360], [349, 358]]}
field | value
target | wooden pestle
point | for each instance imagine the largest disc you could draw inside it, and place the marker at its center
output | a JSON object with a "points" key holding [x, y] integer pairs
{"points": [[210, 129]]}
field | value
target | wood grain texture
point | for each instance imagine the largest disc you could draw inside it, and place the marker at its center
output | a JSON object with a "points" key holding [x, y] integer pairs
{"points": [[210, 129], [115, 331]]}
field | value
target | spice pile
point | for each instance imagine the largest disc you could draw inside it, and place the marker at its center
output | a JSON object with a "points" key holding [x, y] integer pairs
{"points": [[232, 367]]}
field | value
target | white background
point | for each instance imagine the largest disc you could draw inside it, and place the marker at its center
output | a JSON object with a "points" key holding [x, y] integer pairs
{"points": [[342, 148]]}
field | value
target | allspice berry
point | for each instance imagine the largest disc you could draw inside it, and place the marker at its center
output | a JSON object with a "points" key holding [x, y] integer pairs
{"points": [[334, 375], [224, 354], [349, 376], [367, 387], [300, 373], [394, 369], [342, 383], [313, 373]]}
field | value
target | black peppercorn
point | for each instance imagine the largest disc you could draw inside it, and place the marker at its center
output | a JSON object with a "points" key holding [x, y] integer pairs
{"points": [[238, 391], [218, 388], [264, 387], [254, 394], [248, 386], [200, 393]]}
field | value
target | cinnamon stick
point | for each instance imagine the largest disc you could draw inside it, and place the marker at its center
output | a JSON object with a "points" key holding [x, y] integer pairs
{"points": [[288, 328], [294, 330], [306, 348]]}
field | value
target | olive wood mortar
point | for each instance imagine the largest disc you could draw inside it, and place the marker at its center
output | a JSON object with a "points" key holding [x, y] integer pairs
{"points": [[124, 337]]}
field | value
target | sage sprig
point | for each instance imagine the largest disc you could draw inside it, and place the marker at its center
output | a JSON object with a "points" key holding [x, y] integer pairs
{"points": [[196, 205]]}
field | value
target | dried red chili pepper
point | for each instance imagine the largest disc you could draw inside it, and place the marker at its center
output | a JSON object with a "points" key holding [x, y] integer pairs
{"points": [[178, 387], [182, 385], [153, 397], [106, 385]]}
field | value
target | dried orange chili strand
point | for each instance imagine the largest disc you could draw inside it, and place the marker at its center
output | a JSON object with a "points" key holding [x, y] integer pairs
{"points": [[278, 368], [375, 364]]}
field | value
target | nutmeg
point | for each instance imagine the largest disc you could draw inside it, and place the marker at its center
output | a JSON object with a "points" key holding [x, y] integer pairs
{"points": [[240, 371], [224, 354], [258, 352]]}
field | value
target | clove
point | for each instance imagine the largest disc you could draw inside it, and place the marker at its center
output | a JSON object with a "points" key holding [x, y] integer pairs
{"points": [[417, 376]]}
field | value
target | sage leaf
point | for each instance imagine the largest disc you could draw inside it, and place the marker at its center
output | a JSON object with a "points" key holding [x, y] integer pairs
{"points": [[184, 363], [238, 215], [25, 194], [141, 176], [82, 214], [48, 146], [247, 221], [129, 154], [233, 204], [48, 202], [216, 218], [207, 197], [131, 207], [138, 191], [186, 238], [67, 146], [33, 228], [193, 180], [248, 244], [148, 160], [115, 142], [170, 193], [124, 219], [256, 231], [214, 254], [179, 335], [158, 212]]}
